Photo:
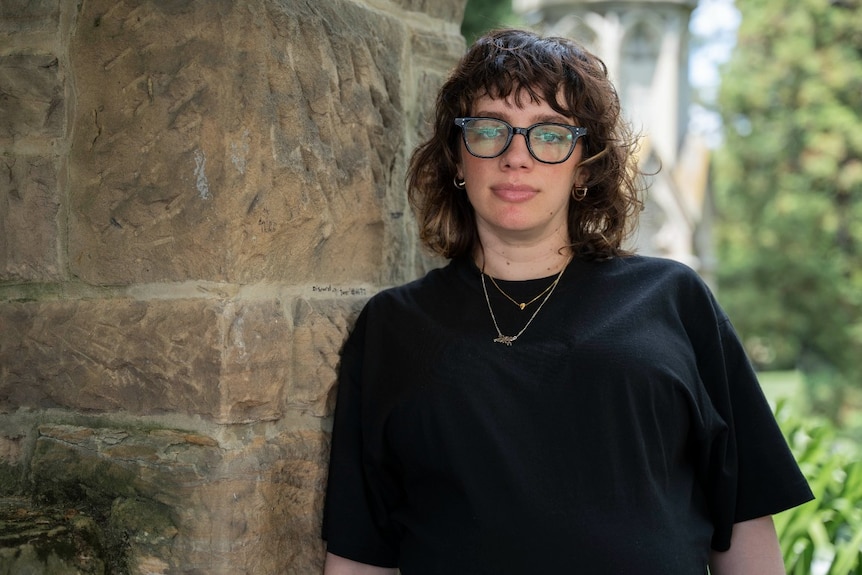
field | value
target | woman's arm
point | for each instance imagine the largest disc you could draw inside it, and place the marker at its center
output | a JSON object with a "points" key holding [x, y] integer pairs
{"points": [[336, 565], [754, 550]]}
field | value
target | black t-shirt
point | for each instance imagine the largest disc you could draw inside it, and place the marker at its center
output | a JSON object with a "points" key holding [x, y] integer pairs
{"points": [[623, 432]]}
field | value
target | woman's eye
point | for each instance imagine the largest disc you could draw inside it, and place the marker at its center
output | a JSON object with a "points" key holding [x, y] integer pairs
{"points": [[489, 133], [548, 137]]}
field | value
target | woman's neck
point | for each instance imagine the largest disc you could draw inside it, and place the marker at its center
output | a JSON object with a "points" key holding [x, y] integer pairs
{"points": [[522, 262]]}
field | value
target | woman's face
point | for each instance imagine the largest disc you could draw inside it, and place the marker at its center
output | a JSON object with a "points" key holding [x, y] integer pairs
{"points": [[516, 198]]}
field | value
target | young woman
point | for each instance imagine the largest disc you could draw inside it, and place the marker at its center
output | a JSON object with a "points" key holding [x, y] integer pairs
{"points": [[547, 402]]}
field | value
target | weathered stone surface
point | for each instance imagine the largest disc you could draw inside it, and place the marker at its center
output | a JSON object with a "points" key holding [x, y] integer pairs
{"points": [[138, 480], [263, 512], [17, 16], [229, 361], [32, 102], [11, 462], [145, 357], [295, 502], [320, 328], [451, 10], [254, 147], [196, 197], [256, 361], [101, 464], [117, 355], [29, 219], [143, 535], [184, 500], [51, 540]]}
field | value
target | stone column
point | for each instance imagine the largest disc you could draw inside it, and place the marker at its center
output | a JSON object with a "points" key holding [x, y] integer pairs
{"points": [[196, 198]]}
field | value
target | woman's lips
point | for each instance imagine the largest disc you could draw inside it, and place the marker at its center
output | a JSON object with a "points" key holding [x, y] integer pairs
{"points": [[514, 192]]}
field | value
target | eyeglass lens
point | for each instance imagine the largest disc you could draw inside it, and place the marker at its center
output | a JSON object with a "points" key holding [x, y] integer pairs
{"points": [[488, 138]]}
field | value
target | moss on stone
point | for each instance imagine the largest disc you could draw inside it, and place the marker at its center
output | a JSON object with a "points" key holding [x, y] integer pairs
{"points": [[51, 540]]}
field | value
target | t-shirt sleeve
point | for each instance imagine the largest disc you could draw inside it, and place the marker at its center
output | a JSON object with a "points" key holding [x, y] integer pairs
{"points": [[751, 470], [352, 523]]}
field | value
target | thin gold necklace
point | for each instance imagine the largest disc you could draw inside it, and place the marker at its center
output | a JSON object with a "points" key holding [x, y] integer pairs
{"points": [[510, 339], [523, 305]]}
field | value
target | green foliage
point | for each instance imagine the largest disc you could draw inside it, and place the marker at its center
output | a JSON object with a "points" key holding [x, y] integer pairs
{"points": [[481, 16], [788, 183], [823, 536]]}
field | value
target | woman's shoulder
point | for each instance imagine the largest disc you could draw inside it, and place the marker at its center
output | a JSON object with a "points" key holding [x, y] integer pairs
{"points": [[658, 277], [649, 268]]}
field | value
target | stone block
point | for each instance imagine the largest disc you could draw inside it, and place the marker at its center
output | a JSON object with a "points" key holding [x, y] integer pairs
{"points": [[29, 226], [231, 361], [143, 535], [253, 142], [20, 16], [111, 355], [101, 464], [256, 362], [320, 328], [224, 361], [140, 481], [189, 505], [263, 510], [32, 101], [447, 10], [294, 498], [11, 463], [48, 540]]}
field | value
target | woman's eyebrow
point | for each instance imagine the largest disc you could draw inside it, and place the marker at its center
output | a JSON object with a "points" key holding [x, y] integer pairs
{"points": [[486, 114], [540, 119], [554, 118]]}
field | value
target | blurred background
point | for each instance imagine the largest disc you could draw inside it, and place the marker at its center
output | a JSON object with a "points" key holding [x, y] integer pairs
{"points": [[753, 111]]}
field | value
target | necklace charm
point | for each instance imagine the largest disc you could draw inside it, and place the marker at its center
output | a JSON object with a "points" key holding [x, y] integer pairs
{"points": [[508, 340], [523, 305]]}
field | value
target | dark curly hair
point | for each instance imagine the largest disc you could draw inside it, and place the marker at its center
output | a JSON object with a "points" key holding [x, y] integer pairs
{"points": [[523, 65]]}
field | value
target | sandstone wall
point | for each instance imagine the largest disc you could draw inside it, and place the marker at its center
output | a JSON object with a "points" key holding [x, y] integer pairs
{"points": [[196, 197]]}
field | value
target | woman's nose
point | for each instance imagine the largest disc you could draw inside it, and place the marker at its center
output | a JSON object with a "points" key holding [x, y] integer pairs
{"points": [[518, 153]]}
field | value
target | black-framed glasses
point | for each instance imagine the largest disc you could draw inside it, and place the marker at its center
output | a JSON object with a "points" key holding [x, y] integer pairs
{"points": [[548, 142]]}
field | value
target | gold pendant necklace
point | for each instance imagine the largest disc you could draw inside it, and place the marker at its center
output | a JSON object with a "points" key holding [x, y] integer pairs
{"points": [[523, 305], [510, 339]]}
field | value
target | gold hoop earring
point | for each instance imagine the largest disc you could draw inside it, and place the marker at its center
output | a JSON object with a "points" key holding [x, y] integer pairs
{"points": [[460, 184], [579, 193]]}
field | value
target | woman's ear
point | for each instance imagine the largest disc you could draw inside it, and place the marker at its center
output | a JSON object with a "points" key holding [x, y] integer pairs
{"points": [[582, 176]]}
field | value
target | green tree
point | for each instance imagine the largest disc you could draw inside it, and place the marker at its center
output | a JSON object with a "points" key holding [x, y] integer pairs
{"points": [[480, 16], [788, 183]]}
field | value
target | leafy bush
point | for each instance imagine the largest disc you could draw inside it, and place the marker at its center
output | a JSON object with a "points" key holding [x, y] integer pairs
{"points": [[824, 536]]}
